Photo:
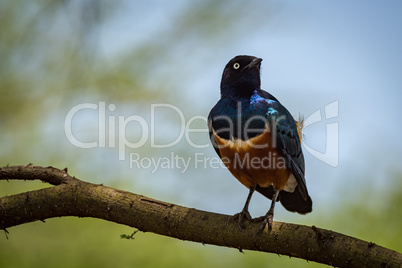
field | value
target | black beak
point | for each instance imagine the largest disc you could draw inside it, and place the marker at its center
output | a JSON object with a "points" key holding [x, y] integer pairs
{"points": [[256, 62]]}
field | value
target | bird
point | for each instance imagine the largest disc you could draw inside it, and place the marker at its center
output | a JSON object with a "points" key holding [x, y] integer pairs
{"points": [[258, 141]]}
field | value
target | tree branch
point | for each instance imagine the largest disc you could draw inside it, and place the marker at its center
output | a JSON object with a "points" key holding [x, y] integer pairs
{"points": [[72, 197]]}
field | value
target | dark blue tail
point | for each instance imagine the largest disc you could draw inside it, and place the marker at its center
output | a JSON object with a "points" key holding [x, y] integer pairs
{"points": [[293, 202]]}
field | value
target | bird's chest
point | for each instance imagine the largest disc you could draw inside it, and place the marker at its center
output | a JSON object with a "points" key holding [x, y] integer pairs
{"points": [[255, 160]]}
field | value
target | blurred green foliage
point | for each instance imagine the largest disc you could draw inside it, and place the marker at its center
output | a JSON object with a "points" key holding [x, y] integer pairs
{"points": [[51, 58]]}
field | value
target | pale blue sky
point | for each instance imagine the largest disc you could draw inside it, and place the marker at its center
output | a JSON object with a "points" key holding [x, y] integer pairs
{"points": [[314, 53]]}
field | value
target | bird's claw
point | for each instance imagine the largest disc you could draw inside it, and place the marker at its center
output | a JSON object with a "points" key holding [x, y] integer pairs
{"points": [[267, 219], [239, 217]]}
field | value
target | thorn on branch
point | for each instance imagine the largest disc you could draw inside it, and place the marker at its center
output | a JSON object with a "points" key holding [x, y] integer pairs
{"points": [[6, 233]]}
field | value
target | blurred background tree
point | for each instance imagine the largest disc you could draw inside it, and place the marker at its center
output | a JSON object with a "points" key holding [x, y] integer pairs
{"points": [[57, 54]]}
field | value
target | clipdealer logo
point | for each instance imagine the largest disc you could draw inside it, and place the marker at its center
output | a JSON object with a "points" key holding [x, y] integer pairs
{"points": [[112, 133]]}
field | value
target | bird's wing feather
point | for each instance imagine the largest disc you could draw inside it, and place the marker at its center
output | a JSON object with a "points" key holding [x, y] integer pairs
{"points": [[287, 141], [211, 135]]}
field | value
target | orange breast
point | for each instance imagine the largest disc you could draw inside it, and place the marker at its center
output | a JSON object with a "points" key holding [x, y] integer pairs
{"points": [[255, 161]]}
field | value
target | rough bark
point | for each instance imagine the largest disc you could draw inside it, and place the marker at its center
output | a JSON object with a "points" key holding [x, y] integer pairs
{"points": [[72, 197]]}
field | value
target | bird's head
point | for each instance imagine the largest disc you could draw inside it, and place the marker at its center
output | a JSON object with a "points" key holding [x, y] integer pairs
{"points": [[241, 76]]}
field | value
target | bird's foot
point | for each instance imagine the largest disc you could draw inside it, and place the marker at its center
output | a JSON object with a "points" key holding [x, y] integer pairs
{"points": [[239, 217], [267, 219]]}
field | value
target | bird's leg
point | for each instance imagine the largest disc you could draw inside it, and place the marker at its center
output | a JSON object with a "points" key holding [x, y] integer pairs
{"points": [[244, 213], [270, 214]]}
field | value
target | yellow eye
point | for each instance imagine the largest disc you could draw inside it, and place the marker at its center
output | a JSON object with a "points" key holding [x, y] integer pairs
{"points": [[236, 66]]}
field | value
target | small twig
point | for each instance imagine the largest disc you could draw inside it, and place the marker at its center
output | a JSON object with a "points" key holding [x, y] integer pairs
{"points": [[129, 236]]}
